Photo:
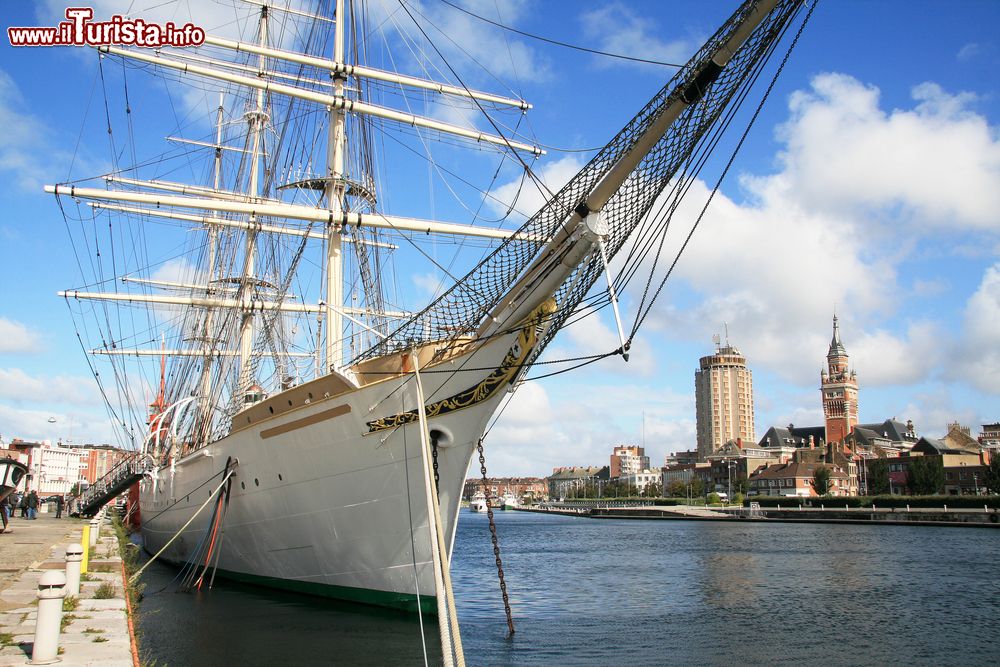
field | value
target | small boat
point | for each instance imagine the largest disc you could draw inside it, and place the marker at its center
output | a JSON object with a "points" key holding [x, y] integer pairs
{"points": [[12, 472], [478, 502], [510, 501]]}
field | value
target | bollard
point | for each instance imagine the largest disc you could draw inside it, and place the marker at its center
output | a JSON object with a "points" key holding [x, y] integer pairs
{"points": [[94, 529], [74, 560], [51, 591], [907, 508], [945, 508], [85, 545], [822, 508]]}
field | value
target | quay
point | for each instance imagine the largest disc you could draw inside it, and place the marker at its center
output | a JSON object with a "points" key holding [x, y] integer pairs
{"points": [[98, 630], [889, 516]]}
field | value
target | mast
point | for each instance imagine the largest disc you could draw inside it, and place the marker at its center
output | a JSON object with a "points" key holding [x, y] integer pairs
{"points": [[335, 204], [256, 120], [205, 389]]}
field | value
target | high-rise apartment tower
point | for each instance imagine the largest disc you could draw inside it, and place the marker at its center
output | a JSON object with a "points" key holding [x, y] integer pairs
{"points": [[723, 400]]}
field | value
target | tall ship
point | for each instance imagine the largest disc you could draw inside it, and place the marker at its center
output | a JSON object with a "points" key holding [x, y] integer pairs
{"points": [[254, 299]]}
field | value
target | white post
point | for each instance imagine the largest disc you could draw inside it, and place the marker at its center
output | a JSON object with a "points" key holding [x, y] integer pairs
{"points": [[74, 559], [51, 591], [94, 527]]}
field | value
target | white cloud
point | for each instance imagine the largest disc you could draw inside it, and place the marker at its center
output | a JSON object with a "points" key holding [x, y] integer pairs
{"points": [[890, 359], [977, 354], [24, 157], [969, 52], [936, 165], [19, 387], [538, 432], [932, 411], [16, 338], [525, 196], [75, 427], [633, 35], [178, 270], [462, 37]]}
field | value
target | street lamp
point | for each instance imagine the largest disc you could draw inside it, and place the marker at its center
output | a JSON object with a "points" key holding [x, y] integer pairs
{"points": [[729, 472], [975, 482]]}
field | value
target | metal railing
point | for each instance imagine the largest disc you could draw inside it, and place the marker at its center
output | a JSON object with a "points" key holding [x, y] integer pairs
{"points": [[125, 474]]}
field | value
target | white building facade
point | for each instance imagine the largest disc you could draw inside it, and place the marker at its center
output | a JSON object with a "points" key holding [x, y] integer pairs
{"points": [[54, 470]]}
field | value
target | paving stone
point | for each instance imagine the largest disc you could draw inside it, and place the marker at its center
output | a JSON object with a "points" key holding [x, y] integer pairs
{"points": [[25, 560]]}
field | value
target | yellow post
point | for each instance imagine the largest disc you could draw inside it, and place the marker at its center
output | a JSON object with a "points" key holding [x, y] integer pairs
{"points": [[85, 543]]}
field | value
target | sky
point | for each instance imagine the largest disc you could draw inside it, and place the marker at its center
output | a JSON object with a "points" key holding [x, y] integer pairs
{"points": [[869, 188]]}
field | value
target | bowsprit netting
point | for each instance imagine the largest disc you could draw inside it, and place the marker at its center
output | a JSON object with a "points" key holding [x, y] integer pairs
{"points": [[461, 311]]}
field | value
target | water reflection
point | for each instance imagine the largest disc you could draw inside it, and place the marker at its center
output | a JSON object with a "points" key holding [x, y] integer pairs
{"points": [[635, 592]]}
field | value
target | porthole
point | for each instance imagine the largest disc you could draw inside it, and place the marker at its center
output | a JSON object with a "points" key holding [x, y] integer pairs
{"points": [[243, 486], [289, 404], [310, 396], [256, 481], [270, 409], [279, 477]]}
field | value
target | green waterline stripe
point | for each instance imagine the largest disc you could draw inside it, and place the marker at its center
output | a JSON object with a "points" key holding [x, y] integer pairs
{"points": [[402, 601]]}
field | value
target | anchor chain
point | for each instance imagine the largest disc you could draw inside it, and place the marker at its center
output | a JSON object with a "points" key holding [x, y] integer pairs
{"points": [[493, 535], [434, 459]]}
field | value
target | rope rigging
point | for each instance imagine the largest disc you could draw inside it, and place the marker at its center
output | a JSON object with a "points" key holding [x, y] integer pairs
{"points": [[673, 158]]}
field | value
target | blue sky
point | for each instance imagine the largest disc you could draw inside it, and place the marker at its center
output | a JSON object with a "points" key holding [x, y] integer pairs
{"points": [[871, 185]]}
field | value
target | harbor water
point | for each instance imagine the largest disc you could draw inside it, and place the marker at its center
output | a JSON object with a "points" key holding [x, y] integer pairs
{"points": [[607, 592]]}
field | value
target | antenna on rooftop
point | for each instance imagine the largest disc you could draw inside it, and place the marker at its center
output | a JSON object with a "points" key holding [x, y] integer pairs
{"points": [[726, 327], [717, 340]]}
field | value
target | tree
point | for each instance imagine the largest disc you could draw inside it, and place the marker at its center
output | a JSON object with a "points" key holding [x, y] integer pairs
{"points": [[821, 480], [926, 475], [992, 477], [878, 478], [652, 490], [678, 489], [741, 485], [697, 487]]}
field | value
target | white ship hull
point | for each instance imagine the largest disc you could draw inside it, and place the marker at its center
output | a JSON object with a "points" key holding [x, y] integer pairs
{"points": [[322, 503]]}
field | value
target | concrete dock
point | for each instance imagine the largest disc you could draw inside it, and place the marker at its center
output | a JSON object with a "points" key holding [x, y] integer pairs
{"points": [[97, 632]]}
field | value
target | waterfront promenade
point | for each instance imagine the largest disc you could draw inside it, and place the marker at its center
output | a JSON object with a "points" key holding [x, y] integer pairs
{"points": [[984, 517], [96, 632]]}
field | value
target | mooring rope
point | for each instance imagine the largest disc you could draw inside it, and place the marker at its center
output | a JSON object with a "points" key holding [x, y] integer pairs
{"points": [[182, 528]]}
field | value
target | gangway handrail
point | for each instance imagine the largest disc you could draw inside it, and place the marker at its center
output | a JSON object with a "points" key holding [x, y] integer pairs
{"points": [[123, 475]]}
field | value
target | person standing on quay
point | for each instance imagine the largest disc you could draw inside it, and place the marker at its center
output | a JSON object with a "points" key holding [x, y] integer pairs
{"points": [[23, 504], [32, 506], [4, 509], [59, 506]]}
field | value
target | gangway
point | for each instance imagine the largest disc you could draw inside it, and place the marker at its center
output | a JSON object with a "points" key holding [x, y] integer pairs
{"points": [[118, 479]]}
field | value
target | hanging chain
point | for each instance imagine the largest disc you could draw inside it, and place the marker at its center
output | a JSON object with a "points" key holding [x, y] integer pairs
{"points": [[434, 458], [496, 543]]}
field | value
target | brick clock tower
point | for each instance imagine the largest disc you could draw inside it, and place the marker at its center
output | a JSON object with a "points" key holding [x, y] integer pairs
{"points": [[839, 387]]}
